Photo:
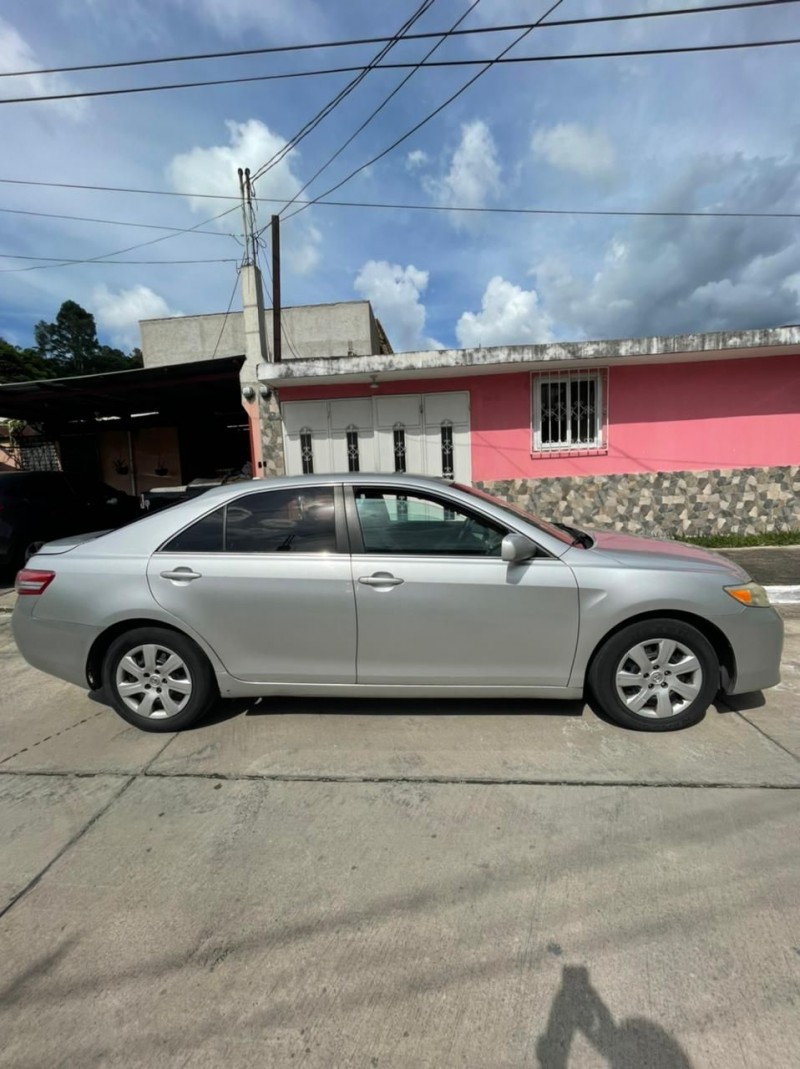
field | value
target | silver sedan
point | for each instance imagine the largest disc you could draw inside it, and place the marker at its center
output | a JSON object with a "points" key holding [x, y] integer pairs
{"points": [[375, 585]]}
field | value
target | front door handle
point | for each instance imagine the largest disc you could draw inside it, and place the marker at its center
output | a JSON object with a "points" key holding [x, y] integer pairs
{"points": [[380, 579], [181, 575]]}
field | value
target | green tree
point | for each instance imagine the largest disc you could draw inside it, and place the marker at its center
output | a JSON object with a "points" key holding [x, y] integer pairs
{"points": [[71, 342], [22, 365], [71, 347]]}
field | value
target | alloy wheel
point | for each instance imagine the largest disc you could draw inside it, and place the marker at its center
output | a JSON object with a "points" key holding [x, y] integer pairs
{"points": [[153, 681], [659, 678]]}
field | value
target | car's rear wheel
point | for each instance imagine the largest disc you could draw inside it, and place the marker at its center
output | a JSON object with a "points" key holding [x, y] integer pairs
{"points": [[158, 679], [655, 675]]}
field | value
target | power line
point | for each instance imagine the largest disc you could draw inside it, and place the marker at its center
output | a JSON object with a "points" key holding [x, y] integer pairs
{"points": [[352, 42], [470, 81], [546, 211], [55, 261], [227, 311], [628, 53], [262, 247], [332, 104], [380, 107], [410, 207], [114, 222]]}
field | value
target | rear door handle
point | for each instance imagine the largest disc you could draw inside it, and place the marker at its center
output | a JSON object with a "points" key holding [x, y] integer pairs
{"points": [[380, 579], [181, 575]]}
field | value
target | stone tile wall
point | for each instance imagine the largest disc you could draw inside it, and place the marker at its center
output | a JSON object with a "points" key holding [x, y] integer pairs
{"points": [[272, 438], [666, 504]]}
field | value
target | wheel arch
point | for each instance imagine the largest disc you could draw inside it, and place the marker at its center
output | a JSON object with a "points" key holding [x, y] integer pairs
{"points": [[100, 646], [719, 641]]}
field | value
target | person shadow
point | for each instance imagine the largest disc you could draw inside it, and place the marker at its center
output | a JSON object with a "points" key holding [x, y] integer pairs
{"points": [[632, 1044]]}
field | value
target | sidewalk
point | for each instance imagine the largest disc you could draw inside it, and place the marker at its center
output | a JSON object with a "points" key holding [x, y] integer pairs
{"points": [[769, 565]]}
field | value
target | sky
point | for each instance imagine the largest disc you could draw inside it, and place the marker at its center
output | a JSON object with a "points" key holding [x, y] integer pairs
{"points": [[679, 133]]}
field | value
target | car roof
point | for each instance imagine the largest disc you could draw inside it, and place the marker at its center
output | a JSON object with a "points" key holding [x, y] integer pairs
{"points": [[423, 482]]}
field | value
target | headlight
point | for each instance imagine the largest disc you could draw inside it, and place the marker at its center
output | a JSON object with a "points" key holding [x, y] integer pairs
{"points": [[749, 594]]}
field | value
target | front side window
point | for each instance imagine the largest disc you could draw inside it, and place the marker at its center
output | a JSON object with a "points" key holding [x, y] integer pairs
{"points": [[568, 411], [413, 524], [275, 521]]}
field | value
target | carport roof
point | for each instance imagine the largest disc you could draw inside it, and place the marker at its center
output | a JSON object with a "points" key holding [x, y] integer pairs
{"points": [[175, 388]]}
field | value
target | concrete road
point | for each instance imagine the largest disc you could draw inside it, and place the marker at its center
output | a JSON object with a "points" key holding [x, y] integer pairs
{"points": [[403, 884]]}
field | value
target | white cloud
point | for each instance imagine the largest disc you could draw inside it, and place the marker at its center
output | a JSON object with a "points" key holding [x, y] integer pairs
{"points": [[474, 173], [395, 293], [215, 170], [300, 18], [684, 274], [415, 159], [119, 313], [509, 315], [17, 55], [572, 147]]}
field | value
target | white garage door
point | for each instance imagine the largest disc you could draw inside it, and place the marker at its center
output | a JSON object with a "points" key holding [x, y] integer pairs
{"points": [[426, 434]]}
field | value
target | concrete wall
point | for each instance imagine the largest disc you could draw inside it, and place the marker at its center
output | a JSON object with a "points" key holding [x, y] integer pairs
{"points": [[310, 332]]}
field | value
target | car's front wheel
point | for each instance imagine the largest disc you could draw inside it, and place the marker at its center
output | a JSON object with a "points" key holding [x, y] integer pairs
{"points": [[655, 675], [158, 679]]}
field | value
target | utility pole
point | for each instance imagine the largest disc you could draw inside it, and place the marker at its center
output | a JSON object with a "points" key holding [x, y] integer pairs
{"points": [[276, 288]]}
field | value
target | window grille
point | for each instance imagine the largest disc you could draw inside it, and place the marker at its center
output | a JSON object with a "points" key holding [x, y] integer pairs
{"points": [[307, 451], [447, 450], [399, 447], [569, 411], [352, 448]]}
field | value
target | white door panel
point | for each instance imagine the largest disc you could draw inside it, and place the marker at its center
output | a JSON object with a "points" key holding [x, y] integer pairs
{"points": [[300, 414], [361, 443], [355, 411], [375, 419], [403, 408], [441, 406]]}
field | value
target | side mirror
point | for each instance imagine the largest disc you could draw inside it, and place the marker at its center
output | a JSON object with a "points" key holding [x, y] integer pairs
{"points": [[516, 548]]}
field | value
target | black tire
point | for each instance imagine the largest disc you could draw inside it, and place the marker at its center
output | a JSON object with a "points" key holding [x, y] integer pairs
{"points": [[176, 699], [656, 688]]}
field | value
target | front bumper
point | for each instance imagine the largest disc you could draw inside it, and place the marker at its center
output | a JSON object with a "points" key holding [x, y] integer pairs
{"points": [[756, 636], [54, 646]]}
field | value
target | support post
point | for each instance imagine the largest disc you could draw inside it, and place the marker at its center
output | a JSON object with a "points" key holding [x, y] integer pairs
{"points": [[276, 289]]}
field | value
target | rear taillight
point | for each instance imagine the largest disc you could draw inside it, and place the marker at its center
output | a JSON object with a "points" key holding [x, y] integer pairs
{"points": [[32, 581]]}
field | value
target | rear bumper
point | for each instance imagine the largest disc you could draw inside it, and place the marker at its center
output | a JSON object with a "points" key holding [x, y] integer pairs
{"points": [[54, 646], [756, 636]]}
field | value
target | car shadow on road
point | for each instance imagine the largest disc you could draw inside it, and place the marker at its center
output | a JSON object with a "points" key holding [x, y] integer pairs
{"points": [[632, 1044], [286, 706]]}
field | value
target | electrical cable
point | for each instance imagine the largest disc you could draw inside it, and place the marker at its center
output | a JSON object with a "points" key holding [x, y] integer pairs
{"points": [[53, 261], [379, 108], [390, 206], [273, 49], [228, 309], [470, 82], [332, 104], [438, 63], [115, 222]]}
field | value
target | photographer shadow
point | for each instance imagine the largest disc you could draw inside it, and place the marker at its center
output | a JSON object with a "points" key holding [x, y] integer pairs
{"points": [[631, 1044]]}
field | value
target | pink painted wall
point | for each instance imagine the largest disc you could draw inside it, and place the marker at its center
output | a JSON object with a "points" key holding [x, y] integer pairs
{"points": [[665, 417]]}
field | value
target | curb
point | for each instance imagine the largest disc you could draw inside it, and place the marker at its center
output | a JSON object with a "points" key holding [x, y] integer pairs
{"points": [[783, 595]]}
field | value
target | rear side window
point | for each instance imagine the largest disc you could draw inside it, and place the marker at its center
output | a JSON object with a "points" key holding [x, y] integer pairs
{"points": [[204, 536], [282, 521], [276, 521]]}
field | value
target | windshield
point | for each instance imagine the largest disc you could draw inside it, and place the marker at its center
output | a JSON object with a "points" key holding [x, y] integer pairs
{"points": [[515, 510]]}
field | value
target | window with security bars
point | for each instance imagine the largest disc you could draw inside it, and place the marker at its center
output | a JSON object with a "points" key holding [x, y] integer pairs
{"points": [[399, 442], [307, 451], [568, 411], [352, 448]]}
